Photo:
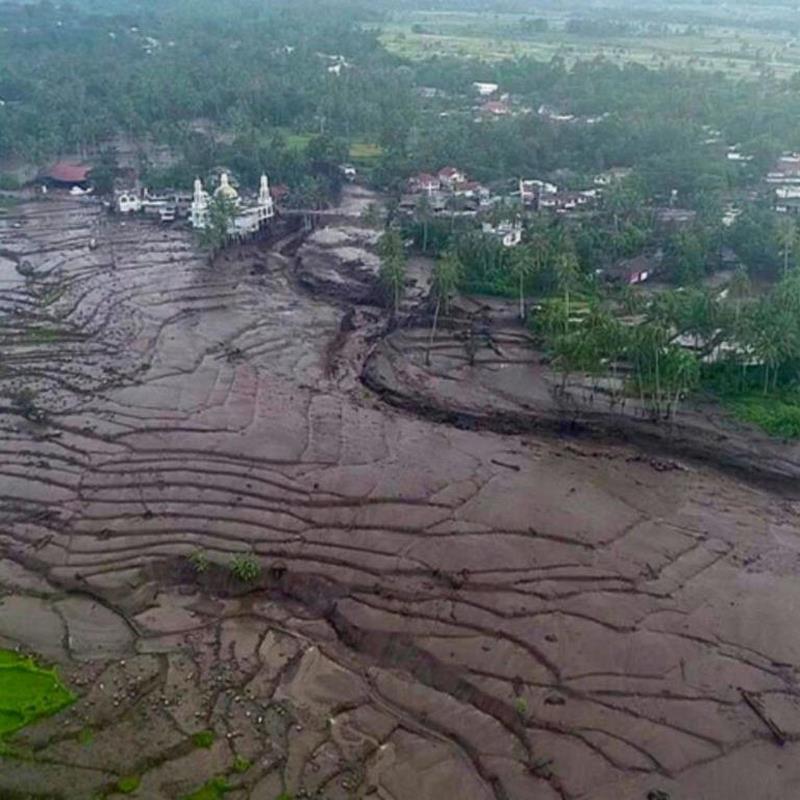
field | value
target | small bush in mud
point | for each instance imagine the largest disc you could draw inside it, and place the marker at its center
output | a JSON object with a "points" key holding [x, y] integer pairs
{"points": [[24, 403], [129, 784], [521, 707], [215, 789], [241, 764], [199, 561], [86, 737], [245, 568], [203, 739]]}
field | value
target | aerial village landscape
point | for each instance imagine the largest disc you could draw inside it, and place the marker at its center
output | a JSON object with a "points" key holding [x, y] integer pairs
{"points": [[399, 403]]}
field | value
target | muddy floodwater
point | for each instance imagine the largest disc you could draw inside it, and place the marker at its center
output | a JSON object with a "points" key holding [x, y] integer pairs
{"points": [[440, 612]]}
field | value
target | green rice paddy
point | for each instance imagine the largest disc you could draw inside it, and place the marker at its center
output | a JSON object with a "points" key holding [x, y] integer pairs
{"points": [[28, 692], [365, 151]]}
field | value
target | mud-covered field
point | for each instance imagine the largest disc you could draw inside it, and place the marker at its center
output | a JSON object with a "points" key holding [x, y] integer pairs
{"points": [[437, 612]]}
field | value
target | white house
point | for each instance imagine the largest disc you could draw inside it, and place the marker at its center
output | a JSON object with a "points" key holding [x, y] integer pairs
{"points": [[129, 203], [485, 89], [509, 233], [612, 176], [530, 191], [730, 214]]}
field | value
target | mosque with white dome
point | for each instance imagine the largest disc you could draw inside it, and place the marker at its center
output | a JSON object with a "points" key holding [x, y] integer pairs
{"points": [[249, 216]]}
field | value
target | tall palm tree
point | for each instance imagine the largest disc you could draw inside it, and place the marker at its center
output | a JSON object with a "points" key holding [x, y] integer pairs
{"points": [[739, 288], [523, 264], [787, 238], [567, 275], [393, 266], [446, 275], [423, 214]]}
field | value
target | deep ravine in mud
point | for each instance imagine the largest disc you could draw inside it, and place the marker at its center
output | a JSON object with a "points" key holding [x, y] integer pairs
{"points": [[439, 612]]}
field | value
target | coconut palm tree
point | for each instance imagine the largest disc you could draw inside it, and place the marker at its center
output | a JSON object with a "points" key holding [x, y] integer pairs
{"points": [[787, 238], [522, 265], [567, 275], [681, 373], [423, 215], [739, 289], [446, 275], [393, 266]]}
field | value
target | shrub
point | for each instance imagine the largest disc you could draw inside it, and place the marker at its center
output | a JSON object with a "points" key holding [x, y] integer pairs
{"points": [[215, 789], [245, 568], [241, 764], [86, 736], [128, 784], [24, 403], [199, 561], [203, 739], [521, 706]]}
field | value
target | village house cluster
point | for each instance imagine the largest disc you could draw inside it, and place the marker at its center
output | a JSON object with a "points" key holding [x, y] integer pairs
{"points": [[451, 192], [784, 180], [492, 102], [538, 195]]}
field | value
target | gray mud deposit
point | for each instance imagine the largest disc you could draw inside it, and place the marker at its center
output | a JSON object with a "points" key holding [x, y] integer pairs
{"points": [[440, 613]]}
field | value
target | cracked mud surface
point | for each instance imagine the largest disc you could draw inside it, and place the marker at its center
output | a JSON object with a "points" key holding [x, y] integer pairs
{"points": [[440, 613]]}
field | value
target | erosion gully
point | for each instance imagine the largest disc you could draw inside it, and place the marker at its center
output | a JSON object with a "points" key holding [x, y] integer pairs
{"points": [[440, 612]]}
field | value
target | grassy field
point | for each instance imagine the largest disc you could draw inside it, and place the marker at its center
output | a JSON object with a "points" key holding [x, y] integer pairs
{"points": [[365, 151], [298, 141], [360, 152], [778, 415], [494, 37]]}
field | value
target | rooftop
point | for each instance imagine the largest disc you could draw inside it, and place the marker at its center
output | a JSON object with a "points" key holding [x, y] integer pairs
{"points": [[68, 172]]}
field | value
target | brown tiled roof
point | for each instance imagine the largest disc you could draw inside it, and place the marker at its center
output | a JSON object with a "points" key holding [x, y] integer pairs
{"points": [[67, 172]]}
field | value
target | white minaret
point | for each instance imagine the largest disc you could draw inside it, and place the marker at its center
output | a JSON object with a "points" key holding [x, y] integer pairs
{"points": [[263, 192], [199, 205], [266, 207]]}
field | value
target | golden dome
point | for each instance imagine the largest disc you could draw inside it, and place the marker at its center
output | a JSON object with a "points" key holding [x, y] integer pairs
{"points": [[225, 189]]}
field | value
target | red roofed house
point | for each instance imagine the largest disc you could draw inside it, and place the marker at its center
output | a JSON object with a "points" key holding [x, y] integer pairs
{"points": [[496, 108], [450, 176], [66, 175], [634, 270], [424, 182], [468, 189]]}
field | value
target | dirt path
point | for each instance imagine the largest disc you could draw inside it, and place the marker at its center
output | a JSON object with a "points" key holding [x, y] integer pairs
{"points": [[440, 612]]}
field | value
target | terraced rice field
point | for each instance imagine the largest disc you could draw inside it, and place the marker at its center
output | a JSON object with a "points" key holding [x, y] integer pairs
{"points": [[438, 612]]}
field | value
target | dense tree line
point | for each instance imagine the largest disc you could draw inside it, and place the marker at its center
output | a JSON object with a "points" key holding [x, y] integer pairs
{"points": [[71, 81], [240, 79], [736, 342]]}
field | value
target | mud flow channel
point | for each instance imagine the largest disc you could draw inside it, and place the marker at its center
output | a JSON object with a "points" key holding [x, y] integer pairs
{"points": [[260, 581]]}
